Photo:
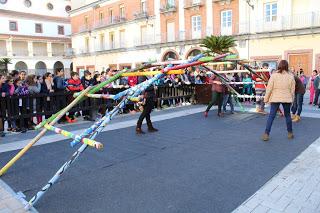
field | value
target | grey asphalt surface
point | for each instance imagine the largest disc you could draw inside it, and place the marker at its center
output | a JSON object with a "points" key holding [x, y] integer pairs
{"points": [[192, 164]]}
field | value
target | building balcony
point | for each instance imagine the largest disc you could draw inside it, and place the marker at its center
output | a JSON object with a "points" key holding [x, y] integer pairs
{"points": [[283, 24], [293, 22], [84, 28], [193, 4], [108, 22], [168, 9], [140, 15]]}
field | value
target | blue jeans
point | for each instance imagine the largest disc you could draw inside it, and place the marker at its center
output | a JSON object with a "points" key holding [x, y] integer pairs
{"points": [[273, 112], [297, 104], [227, 98]]}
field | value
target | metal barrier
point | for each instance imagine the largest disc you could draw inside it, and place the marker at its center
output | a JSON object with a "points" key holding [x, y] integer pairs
{"points": [[22, 109]]}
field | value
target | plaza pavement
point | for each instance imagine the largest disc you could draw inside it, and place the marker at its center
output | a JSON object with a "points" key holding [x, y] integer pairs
{"points": [[293, 189]]}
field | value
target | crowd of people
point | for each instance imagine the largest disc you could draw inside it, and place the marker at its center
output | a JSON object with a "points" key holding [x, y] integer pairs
{"points": [[20, 84]]}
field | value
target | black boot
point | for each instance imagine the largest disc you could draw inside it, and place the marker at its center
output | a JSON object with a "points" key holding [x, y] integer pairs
{"points": [[139, 131], [151, 128]]}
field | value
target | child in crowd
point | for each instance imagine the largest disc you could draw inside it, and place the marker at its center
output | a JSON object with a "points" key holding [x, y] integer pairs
{"points": [[74, 85], [247, 87], [4, 91], [11, 122]]}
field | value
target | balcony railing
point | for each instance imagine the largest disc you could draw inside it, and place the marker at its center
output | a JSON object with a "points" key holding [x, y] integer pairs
{"points": [[140, 15], [193, 3], [110, 21], [282, 23], [168, 8]]}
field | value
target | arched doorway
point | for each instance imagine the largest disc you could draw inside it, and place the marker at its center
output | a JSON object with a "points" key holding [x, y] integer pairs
{"points": [[193, 52], [21, 66], [170, 56], [41, 68], [58, 65]]}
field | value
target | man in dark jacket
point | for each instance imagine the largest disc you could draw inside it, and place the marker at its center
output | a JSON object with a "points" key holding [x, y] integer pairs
{"points": [[316, 84], [296, 108], [148, 103], [60, 86]]}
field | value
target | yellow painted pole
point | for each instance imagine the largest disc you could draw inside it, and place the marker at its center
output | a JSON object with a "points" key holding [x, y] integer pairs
{"points": [[34, 140]]}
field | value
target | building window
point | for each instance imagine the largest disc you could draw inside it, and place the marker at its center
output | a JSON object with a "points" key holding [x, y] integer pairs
{"points": [[170, 31], [86, 21], [122, 38], [86, 42], [111, 15], [171, 3], [68, 8], [101, 16], [196, 26], [226, 22], [101, 41], [38, 28], [27, 3], [143, 6], [122, 14], [13, 26], [3, 1], [50, 6], [111, 41], [61, 30], [271, 11], [143, 35]]}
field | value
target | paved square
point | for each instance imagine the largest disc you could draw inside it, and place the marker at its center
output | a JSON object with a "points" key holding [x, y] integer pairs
{"points": [[191, 165]]}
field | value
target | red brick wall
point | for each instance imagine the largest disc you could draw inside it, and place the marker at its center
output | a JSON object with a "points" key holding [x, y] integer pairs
{"points": [[217, 8], [188, 13], [131, 6]]}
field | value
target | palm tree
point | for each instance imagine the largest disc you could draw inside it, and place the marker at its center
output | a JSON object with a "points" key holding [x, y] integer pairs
{"points": [[4, 62], [217, 44]]}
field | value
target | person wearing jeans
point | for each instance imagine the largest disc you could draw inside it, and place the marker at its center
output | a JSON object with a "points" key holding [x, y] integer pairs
{"points": [[227, 98], [273, 112], [298, 100], [280, 90]]}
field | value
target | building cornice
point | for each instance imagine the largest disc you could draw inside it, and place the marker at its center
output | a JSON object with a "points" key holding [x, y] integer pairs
{"points": [[29, 16], [34, 38], [88, 6]]}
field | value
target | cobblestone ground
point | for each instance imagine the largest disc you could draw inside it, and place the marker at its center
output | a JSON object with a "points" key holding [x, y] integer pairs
{"points": [[192, 164]]}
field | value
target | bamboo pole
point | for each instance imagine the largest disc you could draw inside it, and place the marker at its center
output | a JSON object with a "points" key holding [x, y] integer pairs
{"points": [[34, 140], [70, 135]]}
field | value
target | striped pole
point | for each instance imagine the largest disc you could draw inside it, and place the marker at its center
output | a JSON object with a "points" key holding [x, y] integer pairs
{"points": [[34, 140], [67, 134], [93, 133]]}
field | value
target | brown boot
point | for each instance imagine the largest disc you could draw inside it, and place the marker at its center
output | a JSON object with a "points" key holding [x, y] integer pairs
{"points": [[265, 137], [290, 135], [296, 119], [139, 131], [151, 128]]}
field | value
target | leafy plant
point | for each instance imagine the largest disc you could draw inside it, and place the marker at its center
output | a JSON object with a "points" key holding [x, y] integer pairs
{"points": [[218, 44], [4, 63]]}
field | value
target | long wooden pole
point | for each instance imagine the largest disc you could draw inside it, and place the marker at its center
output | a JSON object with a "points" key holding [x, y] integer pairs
{"points": [[43, 131]]}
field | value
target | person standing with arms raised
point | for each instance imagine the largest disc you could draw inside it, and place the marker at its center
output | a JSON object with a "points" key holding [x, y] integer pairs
{"points": [[280, 90]]}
